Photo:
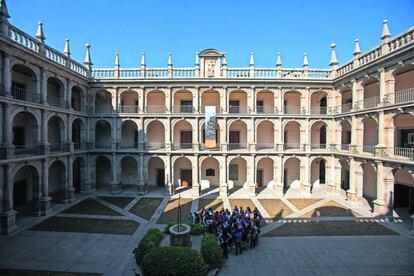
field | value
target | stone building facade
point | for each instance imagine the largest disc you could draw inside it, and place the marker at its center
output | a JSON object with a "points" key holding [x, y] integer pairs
{"points": [[69, 128]]}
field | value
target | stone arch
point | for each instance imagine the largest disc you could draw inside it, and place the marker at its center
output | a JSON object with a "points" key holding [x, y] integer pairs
{"points": [[182, 171], [403, 191], [129, 134], [319, 134], [25, 131], [25, 82], [156, 171], [78, 133], [292, 102], [78, 98], [155, 100], [155, 134], [129, 99], [56, 132], [182, 134], [265, 135], [203, 134], [210, 97], [291, 134], [370, 138], [403, 77], [318, 102], [237, 101], [237, 172], [371, 92], [103, 134], [237, 134], [26, 189], [56, 92], [209, 172], [265, 102], [264, 172], [103, 102], [369, 183], [129, 170], [57, 179], [318, 171], [291, 173], [103, 167], [183, 101], [79, 174]]}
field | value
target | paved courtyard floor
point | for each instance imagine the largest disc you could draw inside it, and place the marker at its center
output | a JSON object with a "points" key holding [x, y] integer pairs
{"points": [[98, 233]]}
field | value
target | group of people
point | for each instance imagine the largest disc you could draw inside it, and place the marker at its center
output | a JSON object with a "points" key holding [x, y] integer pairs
{"points": [[239, 229]]}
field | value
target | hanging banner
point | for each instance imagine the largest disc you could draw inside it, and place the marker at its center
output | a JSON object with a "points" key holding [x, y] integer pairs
{"points": [[210, 127]]}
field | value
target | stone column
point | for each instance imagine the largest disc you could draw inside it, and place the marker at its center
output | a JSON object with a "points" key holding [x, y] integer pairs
{"points": [[195, 171], [115, 187], [44, 143], [390, 87], [354, 179], [169, 177], [68, 95], [169, 100], [168, 136], [224, 104], [251, 135], [43, 86], [224, 186], [7, 77], [45, 200], [196, 139], [251, 175], [305, 173], [90, 171], [70, 191], [196, 100], [382, 85], [355, 96], [253, 101], [224, 134], [142, 187], [379, 203], [114, 134], [69, 132], [278, 175], [8, 131], [8, 217]]}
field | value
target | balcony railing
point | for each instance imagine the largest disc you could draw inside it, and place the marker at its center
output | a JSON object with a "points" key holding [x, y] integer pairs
{"points": [[345, 108], [155, 146], [103, 145], [79, 146], [318, 146], [318, 110], [291, 146], [128, 109], [237, 109], [203, 147], [57, 102], [400, 153], [218, 109], [130, 145], [404, 96], [26, 150], [3, 152], [24, 95], [58, 147], [237, 146], [368, 149], [369, 102], [181, 146], [344, 147], [292, 110], [263, 146], [265, 110], [155, 109], [183, 109]]}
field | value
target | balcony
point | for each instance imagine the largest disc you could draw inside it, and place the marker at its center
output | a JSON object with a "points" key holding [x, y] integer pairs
{"points": [[369, 102], [265, 110], [265, 146], [128, 109], [368, 149], [316, 147], [183, 146], [79, 146], [155, 109], [155, 146], [291, 146], [203, 110], [24, 95], [237, 109], [203, 147], [26, 150], [292, 110], [319, 110], [102, 145], [132, 145], [400, 153], [183, 109], [56, 102], [59, 147], [237, 146]]}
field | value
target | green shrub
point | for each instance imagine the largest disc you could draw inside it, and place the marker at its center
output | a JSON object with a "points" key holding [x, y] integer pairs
{"points": [[211, 251], [173, 260], [151, 240], [196, 229]]}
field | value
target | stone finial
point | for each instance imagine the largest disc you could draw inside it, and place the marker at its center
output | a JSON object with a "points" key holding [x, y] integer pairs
{"points": [[143, 63], [170, 59], [279, 60], [251, 63], [224, 62], [197, 61], [3, 9], [117, 60], [385, 31], [334, 60], [305, 60], [88, 61], [39, 33], [66, 50], [357, 49]]}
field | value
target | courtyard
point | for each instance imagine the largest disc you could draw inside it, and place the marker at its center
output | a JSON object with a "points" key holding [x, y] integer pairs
{"points": [[315, 235]]}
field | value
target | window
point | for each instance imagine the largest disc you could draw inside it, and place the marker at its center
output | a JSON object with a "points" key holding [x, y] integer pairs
{"points": [[210, 172], [234, 172]]}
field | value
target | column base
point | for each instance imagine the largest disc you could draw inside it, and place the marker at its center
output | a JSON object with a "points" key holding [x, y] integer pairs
{"points": [[88, 188], [224, 190], [352, 196], [8, 222], [306, 190], [116, 188], [331, 189], [251, 190], [170, 189], [278, 189], [196, 190], [142, 188], [70, 195], [380, 208], [45, 206]]}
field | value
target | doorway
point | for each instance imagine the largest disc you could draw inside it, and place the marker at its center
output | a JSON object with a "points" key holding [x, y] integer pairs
{"points": [[160, 178], [404, 197], [259, 178]]}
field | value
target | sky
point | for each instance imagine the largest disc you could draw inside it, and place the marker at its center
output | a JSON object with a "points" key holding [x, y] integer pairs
{"points": [[234, 27]]}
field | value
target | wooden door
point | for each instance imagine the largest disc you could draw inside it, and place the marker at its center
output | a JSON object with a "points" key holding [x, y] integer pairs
{"points": [[186, 178], [259, 178], [160, 177]]}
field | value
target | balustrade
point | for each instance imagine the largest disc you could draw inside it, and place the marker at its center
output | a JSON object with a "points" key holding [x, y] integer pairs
{"points": [[128, 109], [24, 95]]}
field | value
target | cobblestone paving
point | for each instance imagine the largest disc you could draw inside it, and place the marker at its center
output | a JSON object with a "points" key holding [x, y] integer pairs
{"points": [[275, 208], [331, 209], [146, 207], [90, 207], [119, 201], [170, 212], [213, 203]]}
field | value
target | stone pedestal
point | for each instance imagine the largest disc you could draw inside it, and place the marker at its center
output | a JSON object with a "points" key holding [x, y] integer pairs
{"points": [[70, 195], [251, 189], [306, 190], [224, 190], [8, 222], [380, 208], [180, 237], [142, 188], [278, 189], [45, 205], [195, 190], [352, 196], [115, 188], [331, 189]]}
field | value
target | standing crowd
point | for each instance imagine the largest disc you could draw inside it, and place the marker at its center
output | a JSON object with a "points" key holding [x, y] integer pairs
{"points": [[239, 229]]}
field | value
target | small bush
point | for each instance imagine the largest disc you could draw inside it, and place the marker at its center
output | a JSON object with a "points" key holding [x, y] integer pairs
{"points": [[173, 260], [211, 251], [196, 229], [151, 240]]}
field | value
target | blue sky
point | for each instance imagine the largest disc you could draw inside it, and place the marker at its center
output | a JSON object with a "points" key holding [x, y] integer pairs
{"points": [[235, 27]]}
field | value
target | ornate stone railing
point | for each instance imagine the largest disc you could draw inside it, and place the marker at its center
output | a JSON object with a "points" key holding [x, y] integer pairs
{"points": [[401, 40], [32, 44], [129, 73]]}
